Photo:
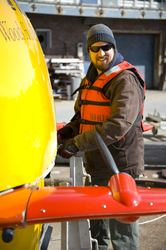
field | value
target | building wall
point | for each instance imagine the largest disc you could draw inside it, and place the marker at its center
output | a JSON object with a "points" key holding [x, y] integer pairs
{"points": [[67, 31]]}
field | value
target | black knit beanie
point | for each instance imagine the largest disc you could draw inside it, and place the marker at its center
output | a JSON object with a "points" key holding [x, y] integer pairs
{"points": [[99, 33]]}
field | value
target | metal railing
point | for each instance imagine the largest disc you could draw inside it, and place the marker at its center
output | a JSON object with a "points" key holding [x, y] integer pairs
{"points": [[151, 9], [154, 4]]}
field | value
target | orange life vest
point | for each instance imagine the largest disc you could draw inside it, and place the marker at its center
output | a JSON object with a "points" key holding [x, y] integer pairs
{"points": [[95, 106]]}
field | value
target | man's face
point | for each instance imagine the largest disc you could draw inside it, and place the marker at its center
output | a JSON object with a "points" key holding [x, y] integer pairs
{"points": [[101, 59]]}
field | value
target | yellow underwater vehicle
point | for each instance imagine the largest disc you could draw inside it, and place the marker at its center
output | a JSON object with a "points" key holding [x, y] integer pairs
{"points": [[27, 118]]}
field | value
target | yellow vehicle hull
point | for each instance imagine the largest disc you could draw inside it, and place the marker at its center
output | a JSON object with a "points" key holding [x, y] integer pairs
{"points": [[24, 239], [28, 126]]}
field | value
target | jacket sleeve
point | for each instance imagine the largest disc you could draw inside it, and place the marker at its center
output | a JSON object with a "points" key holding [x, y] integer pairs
{"points": [[126, 97]]}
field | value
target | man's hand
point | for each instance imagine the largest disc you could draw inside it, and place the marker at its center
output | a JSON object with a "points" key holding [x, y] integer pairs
{"points": [[68, 149], [65, 133]]}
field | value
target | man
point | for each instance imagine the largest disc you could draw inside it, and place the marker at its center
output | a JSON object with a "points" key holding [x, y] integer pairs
{"points": [[110, 99]]}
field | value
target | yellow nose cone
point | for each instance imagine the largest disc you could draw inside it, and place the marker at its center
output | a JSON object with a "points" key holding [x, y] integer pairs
{"points": [[27, 116]]}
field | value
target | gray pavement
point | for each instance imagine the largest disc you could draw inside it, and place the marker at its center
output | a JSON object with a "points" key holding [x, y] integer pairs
{"points": [[152, 234]]}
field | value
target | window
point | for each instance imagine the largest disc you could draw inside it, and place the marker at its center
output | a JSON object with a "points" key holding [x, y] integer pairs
{"points": [[89, 1], [45, 37]]}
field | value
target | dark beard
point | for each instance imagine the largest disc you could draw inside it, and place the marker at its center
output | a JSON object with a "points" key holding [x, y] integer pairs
{"points": [[102, 67]]}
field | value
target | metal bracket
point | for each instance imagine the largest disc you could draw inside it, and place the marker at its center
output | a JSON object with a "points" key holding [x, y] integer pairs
{"points": [[76, 235]]}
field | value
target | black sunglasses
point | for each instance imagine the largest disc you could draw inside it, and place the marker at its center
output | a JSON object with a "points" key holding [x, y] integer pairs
{"points": [[104, 48]]}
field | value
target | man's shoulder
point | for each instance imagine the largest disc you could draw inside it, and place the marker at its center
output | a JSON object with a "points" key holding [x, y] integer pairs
{"points": [[83, 81], [126, 72], [119, 78], [126, 78]]}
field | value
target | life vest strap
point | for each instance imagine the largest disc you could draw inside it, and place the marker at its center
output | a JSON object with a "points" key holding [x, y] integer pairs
{"points": [[87, 86], [83, 121], [80, 88], [144, 127], [86, 102]]}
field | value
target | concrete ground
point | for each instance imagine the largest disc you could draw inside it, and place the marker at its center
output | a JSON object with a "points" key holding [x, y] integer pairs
{"points": [[152, 234]]}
